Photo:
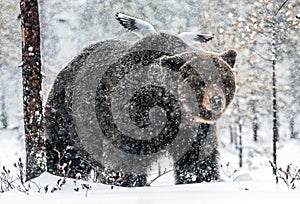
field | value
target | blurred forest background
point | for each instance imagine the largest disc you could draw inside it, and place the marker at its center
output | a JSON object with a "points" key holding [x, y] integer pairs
{"points": [[247, 26]]}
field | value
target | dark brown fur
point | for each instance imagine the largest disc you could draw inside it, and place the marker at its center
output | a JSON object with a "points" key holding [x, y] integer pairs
{"points": [[209, 75]]}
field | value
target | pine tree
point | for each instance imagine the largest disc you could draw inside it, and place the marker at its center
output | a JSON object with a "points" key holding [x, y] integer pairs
{"points": [[272, 26], [32, 80]]}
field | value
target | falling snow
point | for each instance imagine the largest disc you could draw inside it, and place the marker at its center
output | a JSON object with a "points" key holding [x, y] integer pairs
{"points": [[69, 27]]}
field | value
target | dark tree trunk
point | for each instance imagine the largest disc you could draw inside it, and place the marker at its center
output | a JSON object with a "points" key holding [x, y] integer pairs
{"points": [[255, 128], [32, 81], [240, 144], [240, 136], [274, 99], [292, 128], [274, 43], [3, 115], [255, 125], [231, 134]]}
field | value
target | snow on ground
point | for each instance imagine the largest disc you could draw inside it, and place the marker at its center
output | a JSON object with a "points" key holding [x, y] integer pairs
{"points": [[221, 192], [245, 186]]}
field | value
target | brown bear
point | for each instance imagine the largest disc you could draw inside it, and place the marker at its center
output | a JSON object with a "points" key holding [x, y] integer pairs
{"points": [[122, 106]]}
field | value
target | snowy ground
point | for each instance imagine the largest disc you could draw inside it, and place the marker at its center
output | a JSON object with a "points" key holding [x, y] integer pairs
{"points": [[223, 192], [257, 185]]}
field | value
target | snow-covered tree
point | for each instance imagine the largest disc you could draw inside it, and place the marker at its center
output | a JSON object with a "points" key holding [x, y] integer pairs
{"points": [[273, 24]]}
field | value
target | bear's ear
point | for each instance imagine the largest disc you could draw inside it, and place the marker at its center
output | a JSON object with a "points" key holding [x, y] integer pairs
{"points": [[229, 56], [172, 62]]}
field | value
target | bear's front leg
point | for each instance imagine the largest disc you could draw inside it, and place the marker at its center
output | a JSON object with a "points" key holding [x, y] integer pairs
{"points": [[200, 163]]}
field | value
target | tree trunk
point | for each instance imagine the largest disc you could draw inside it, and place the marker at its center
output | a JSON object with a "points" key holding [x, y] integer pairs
{"points": [[255, 128], [240, 136], [231, 134], [240, 144], [255, 125], [274, 99], [32, 81], [3, 115], [292, 127]]}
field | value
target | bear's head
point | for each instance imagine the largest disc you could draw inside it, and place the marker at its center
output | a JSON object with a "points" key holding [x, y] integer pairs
{"points": [[210, 76]]}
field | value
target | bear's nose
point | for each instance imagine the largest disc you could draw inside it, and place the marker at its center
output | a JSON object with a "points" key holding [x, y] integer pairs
{"points": [[216, 102]]}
